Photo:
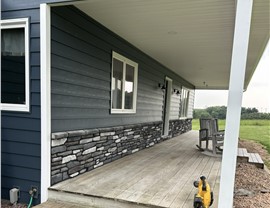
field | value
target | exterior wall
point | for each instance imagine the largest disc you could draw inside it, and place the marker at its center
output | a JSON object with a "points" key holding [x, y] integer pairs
{"points": [[75, 152], [21, 130], [82, 44], [85, 134], [17, 5], [178, 127], [81, 75]]}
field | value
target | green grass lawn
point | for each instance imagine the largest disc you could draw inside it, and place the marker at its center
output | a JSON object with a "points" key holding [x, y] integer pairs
{"points": [[256, 130]]}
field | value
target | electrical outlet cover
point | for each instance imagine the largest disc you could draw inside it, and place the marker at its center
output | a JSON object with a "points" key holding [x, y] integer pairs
{"points": [[13, 195]]}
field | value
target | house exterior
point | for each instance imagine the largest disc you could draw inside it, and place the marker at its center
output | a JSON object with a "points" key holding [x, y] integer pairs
{"points": [[95, 119], [76, 95], [88, 124]]}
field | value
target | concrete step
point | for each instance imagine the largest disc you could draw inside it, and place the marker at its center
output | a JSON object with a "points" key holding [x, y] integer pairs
{"points": [[90, 201], [60, 204]]}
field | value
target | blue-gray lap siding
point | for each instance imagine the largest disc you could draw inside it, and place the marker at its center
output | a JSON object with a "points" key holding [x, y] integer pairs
{"points": [[81, 75], [20, 132]]}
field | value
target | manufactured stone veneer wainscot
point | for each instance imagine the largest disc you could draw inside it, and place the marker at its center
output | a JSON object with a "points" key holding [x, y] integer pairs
{"points": [[75, 152]]}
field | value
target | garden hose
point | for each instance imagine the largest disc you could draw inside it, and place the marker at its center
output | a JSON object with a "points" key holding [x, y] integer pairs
{"points": [[31, 200]]}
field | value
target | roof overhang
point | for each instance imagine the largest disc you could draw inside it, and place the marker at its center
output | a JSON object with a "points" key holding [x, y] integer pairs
{"points": [[192, 38]]}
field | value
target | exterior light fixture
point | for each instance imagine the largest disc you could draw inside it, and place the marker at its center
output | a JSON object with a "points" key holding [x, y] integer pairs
{"points": [[205, 84], [176, 91], [161, 86]]}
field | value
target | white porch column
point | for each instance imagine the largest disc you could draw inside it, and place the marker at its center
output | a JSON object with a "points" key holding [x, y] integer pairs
{"points": [[45, 94], [0, 114], [238, 67]]}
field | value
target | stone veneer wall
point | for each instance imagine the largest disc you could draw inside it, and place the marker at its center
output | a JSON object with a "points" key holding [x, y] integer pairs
{"points": [[179, 126], [75, 152]]}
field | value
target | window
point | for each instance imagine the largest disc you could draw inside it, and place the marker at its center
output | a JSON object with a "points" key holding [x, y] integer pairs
{"points": [[14, 65], [124, 84], [184, 102]]}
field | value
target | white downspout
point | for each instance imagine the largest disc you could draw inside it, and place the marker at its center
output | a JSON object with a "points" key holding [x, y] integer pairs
{"points": [[237, 75], [45, 94]]}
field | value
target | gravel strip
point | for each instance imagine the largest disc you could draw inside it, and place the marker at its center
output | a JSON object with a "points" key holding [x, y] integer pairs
{"points": [[6, 204], [252, 179], [255, 147]]}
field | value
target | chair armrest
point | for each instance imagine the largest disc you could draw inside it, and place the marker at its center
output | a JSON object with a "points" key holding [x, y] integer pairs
{"points": [[219, 133], [219, 138], [203, 130]]}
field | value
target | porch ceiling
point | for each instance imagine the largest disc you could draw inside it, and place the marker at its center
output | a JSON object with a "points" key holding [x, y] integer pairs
{"points": [[192, 38]]}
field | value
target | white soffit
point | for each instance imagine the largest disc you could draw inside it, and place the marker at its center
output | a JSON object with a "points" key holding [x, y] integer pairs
{"points": [[192, 38]]}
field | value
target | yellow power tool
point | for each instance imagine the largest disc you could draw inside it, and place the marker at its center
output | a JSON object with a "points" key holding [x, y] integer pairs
{"points": [[205, 197]]}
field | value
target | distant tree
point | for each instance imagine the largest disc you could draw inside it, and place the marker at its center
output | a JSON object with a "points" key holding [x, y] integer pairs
{"points": [[217, 111], [256, 116], [200, 113], [220, 113], [205, 115], [249, 110]]}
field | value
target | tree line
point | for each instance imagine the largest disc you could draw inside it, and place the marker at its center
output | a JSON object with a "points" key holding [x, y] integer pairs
{"points": [[220, 113]]}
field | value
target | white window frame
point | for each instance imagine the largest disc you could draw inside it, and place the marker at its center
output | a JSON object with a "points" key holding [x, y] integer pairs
{"points": [[185, 114], [11, 24], [135, 65]]}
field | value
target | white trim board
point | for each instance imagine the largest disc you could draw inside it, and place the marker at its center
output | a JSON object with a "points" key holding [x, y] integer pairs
{"points": [[45, 93], [167, 103]]}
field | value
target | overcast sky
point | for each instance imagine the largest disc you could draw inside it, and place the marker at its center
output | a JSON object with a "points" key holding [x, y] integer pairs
{"points": [[257, 94]]}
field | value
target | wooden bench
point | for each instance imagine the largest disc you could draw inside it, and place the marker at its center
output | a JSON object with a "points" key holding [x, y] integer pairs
{"points": [[252, 158]]}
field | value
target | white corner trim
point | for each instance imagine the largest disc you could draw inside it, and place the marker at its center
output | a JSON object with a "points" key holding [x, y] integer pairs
{"points": [[45, 93], [237, 75]]}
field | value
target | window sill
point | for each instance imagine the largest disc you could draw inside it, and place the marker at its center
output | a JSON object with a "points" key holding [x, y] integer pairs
{"points": [[120, 111], [14, 107], [184, 118]]}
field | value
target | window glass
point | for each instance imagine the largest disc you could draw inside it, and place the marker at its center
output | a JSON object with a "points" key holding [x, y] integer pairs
{"points": [[184, 103], [13, 66], [129, 85], [117, 84]]}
